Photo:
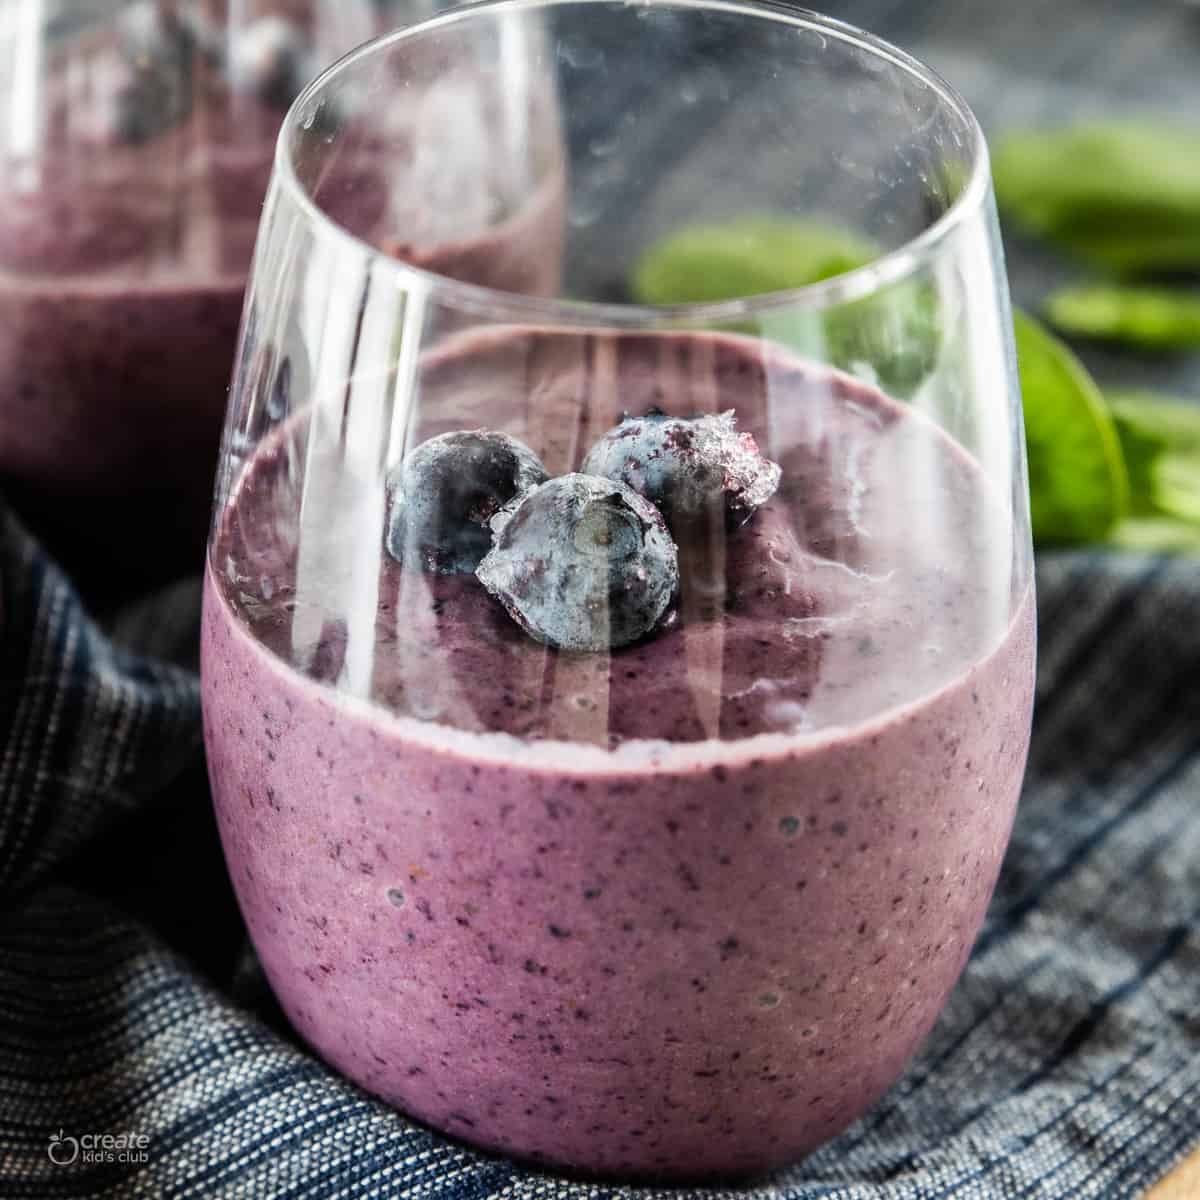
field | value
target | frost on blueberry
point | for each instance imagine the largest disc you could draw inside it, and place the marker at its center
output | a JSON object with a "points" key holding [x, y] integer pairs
{"points": [[442, 497], [689, 467], [582, 563]]}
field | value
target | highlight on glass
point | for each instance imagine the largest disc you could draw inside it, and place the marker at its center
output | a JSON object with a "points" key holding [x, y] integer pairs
{"points": [[617, 695]]}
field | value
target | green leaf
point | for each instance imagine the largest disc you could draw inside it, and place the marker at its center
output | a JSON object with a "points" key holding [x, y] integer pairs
{"points": [[1141, 450], [745, 257], [1078, 484], [896, 333], [1157, 318], [1130, 254], [1095, 175], [1158, 535], [1123, 195], [1161, 441]]}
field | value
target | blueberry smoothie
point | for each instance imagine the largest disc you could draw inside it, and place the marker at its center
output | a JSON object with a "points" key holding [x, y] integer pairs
{"points": [[121, 261], [678, 904], [126, 232]]}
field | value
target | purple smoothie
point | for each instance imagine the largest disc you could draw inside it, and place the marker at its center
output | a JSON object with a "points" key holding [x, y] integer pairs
{"points": [[685, 909], [121, 260], [122, 270]]}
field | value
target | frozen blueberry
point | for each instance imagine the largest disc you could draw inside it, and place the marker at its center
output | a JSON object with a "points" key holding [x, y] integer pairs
{"points": [[689, 467], [158, 49], [155, 36], [582, 563], [444, 494], [270, 58], [211, 36]]}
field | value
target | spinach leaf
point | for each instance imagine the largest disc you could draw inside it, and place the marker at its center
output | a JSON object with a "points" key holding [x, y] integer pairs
{"points": [[1079, 488], [1161, 441], [896, 334], [1156, 318], [1125, 196]]}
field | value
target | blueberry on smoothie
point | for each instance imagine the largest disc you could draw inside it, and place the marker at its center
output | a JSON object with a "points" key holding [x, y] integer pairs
{"points": [[157, 50], [154, 37], [270, 58], [582, 563], [442, 497], [689, 467]]}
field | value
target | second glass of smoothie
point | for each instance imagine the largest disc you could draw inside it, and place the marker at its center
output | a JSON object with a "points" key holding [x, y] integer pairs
{"points": [[136, 150], [616, 714]]}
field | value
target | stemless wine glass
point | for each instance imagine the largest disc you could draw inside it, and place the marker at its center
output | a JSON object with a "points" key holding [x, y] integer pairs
{"points": [[616, 712], [135, 150]]}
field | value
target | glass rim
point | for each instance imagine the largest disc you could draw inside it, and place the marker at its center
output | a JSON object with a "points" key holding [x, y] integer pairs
{"points": [[888, 268]]}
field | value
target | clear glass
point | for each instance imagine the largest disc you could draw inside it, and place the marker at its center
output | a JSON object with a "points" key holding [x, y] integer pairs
{"points": [[606, 780], [135, 148]]}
